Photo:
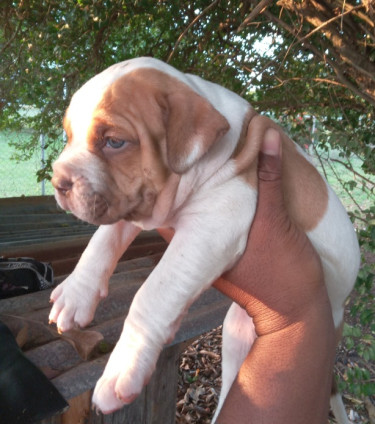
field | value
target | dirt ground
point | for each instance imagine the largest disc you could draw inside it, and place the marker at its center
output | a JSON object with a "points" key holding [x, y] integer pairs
{"points": [[200, 377], [200, 382]]}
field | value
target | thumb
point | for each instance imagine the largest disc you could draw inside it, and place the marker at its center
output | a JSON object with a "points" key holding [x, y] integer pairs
{"points": [[269, 172], [269, 166]]}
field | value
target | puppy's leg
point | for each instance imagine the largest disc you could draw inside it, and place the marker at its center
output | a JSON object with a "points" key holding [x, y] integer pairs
{"points": [[76, 298], [238, 337], [338, 407], [207, 241]]}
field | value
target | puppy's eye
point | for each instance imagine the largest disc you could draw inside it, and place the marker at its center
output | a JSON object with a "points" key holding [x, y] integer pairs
{"points": [[114, 143]]}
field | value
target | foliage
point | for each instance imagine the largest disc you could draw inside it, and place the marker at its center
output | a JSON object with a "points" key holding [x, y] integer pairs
{"points": [[270, 55], [309, 63]]}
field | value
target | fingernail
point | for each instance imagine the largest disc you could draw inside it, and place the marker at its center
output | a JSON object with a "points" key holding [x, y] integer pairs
{"points": [[272, 143]]}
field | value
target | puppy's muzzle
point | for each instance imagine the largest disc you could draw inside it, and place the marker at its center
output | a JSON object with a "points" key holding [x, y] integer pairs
{"points": [[76, 193], [62, 184]]}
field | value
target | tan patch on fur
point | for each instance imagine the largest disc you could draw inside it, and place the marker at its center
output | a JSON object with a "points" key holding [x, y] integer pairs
{"points": [[305, 191], [163, 106], [242, 139], [186, 144]]}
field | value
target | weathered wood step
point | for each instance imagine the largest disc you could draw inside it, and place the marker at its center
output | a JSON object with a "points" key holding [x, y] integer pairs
{"points": [[37, 235], [27, 205], [26, 218]]}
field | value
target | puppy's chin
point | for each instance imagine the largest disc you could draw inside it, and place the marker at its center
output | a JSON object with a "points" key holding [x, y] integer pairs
{"points": [[92, 208]]}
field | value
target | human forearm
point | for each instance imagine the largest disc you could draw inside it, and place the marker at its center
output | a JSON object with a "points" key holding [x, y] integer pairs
{"points": [[286, 377]]}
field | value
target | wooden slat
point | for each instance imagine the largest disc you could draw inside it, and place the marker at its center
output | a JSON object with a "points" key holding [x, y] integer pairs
{"points": [[159, 397], [26, 205]]}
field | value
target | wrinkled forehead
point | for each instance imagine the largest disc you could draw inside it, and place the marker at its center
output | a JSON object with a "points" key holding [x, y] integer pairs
{"points": [[85, 101]]}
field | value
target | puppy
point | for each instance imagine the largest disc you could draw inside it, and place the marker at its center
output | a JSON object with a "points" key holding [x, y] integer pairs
{"points": [[150, 147]]}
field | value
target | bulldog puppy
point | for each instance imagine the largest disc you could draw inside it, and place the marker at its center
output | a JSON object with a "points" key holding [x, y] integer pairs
{"points": [[150, 147]]}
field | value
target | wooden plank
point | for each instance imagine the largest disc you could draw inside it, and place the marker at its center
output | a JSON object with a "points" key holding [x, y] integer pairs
{"points": [[55, 353], [21, 205], [53, 250], [155, 405], [38, 234], [161, 393], [16, 219], [65, 247]]}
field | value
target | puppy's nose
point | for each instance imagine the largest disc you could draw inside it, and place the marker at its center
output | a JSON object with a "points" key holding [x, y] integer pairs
{"points": [[63, 185]]}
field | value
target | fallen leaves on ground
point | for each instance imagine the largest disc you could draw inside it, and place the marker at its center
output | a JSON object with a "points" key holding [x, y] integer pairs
{"points": [[199, 379], [199, 383]]}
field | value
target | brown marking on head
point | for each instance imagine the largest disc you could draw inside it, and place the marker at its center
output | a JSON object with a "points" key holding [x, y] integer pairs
{"points": [[166, 127], [160, 115], [305, 192], [171, 113], [186, 144]]}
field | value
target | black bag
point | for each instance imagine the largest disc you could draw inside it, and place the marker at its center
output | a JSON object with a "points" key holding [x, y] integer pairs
{"points": [[27, 396], [23, 275]]}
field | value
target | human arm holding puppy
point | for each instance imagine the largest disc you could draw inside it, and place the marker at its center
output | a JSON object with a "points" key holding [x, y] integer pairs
{"points": [[287, 376]]}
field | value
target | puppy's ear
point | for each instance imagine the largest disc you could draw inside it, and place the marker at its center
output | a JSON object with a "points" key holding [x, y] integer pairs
{"points": [[193, 126]]}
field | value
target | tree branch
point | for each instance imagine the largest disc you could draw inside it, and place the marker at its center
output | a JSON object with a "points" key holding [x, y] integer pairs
{"points": [[343, 185], [9, 42], [191, 24], [324, 58], [350, 168], [324, 24], [263, 4], [347, 48]]}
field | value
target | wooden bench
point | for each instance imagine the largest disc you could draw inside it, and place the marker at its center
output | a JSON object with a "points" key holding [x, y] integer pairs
{"points": [[35, 227]]}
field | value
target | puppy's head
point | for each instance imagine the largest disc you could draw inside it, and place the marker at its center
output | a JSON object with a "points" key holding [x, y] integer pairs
{"points": [[128, 129]]}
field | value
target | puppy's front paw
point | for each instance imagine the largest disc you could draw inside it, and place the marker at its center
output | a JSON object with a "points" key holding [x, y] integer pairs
{"points": [[128, 370], [75, 302], [112, 393]]}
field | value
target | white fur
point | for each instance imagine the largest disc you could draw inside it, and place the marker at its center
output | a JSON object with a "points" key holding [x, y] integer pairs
{"points": [[212, 212], [338, 409], [238, 337]]}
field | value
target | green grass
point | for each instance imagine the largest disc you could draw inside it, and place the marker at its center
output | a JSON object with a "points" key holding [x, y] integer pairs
{"points": [[19, 178]]}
